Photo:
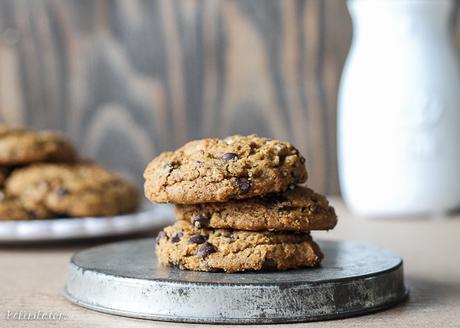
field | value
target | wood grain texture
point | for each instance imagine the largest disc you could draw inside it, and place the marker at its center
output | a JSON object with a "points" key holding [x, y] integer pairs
{"points": [[130, 78]]}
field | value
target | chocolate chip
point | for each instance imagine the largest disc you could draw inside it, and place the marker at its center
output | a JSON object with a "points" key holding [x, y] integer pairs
{"points": [[273, 199], [200, 221], [205, 249], [160, 236], [313, 209], [291, 187], [177, 237], [170, 166], [229, 156], [61, 192], [302, 160], [244, 184], [198, 239], [173, 262], [32, 215], [269, 265], [226, 233], [286, 208], [212, 269]]}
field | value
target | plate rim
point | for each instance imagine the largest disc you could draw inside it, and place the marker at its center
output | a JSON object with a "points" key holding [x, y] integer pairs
{"points": [[160, 216]]}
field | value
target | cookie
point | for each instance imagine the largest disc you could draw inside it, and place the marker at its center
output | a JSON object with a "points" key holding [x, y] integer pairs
{"points": [[217, 170], [12, 209], [22, 147], [299, 209], [4, 173], [184, 246], [72, 190]]}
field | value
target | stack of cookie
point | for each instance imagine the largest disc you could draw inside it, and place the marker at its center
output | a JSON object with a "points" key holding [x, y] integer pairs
{"points": [[41, 177], [238, 206]]}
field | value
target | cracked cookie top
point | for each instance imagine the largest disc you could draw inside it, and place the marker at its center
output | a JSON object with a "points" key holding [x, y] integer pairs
{"points": [[217, 170]]}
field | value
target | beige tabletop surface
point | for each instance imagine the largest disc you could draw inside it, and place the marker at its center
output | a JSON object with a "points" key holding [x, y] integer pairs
{"points": [[32, 277]]}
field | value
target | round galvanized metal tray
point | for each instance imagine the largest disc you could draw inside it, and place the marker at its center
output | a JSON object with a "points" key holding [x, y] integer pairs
{"points": [[126, 279]]}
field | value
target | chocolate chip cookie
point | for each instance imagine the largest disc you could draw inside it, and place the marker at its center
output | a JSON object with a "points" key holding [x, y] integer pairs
{"points": [[218, 170], [72, 190], [21, 147], [4, 173], [187, 247], [11, 208], [299, 209]]}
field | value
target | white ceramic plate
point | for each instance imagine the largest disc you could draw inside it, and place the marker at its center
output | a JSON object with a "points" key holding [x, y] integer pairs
{"points": [[149, 217]]}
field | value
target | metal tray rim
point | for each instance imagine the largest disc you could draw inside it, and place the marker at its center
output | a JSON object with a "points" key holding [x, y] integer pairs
{"points": [[246, 321]]}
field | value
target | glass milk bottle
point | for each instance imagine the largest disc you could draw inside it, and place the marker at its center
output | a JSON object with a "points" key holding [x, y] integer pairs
{"points": [[399, 109]]}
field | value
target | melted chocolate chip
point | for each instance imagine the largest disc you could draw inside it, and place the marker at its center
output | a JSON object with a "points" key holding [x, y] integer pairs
{"points": [[302, 160], [273, 199], [198, 239], [291, 187], [177, 237], [160, 236], [205, 249], [61, 192], [269, 265], [244, 185], [313, 209], [200, 221], [229, 156], [227, 233]]}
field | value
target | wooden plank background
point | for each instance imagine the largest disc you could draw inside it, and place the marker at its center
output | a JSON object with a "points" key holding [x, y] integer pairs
{"points": [[127, 79]]}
